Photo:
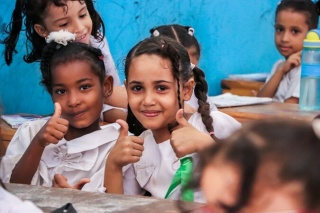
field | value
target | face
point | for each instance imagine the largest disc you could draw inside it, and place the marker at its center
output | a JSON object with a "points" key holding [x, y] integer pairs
{"points": [[290, 30], [220, 184], [80, 94], [152, 92], [194, 55], [75, 18], [269, 194]]}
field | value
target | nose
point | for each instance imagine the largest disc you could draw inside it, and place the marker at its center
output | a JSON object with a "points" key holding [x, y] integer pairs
{"points": [[286, 36], [78, 26], [149, 99], [73, 99]]}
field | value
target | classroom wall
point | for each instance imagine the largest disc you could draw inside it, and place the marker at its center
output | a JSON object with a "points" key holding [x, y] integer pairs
{"points": [[235, 37]]}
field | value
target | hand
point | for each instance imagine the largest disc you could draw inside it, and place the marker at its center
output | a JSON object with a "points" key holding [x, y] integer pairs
{"points": [[186, 139], [60, 181], [292, 61], [128, 149], [54, 130]]}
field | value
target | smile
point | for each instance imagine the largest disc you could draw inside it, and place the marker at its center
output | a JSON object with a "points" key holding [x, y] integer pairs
{"points": [[81, 37], [149, 113], [77, 114]]}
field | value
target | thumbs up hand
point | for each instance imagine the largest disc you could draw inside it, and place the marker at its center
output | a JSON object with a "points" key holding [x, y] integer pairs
{"points": [[128, 149], [54, 130], [186, 139]]}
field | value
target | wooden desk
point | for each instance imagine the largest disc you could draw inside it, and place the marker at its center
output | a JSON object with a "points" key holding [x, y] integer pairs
{"points": [[49, 199], [241, 87], [6, 134], [270, 110]]}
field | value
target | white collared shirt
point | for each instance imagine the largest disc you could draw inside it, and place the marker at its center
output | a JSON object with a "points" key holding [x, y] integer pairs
{"points": [[158, 164], [83, 157]]}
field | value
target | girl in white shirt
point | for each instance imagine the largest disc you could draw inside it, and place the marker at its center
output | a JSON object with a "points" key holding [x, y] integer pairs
{"points": [[68, 150], [294, 18], [159, 78]]}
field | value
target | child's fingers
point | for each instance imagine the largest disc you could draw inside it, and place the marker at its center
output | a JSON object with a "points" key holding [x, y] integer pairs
{"points": [[81, 183], [137, 153], [61, 181], [137, 146], [124, 128], [57, 110]]}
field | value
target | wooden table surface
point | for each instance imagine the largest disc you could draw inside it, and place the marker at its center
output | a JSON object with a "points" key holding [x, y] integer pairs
{"points": [[269, 110], [49, 199], [6, 134]]}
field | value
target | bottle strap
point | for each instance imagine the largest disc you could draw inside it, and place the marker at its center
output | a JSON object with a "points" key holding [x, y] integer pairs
{"points": [[182, 176]]}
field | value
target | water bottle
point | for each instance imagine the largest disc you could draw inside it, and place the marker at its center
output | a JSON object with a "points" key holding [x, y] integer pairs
{"points": [[310, 72]]}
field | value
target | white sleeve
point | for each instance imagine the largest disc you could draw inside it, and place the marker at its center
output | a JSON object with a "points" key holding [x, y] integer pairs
{"points": [[294, 83], [130, 183], [223, 124], [108, 60]]}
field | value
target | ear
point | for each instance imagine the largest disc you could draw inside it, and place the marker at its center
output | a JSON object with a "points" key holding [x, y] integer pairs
{"points": [[188, 89], [108, 86], [41, 30], [125, 83]]}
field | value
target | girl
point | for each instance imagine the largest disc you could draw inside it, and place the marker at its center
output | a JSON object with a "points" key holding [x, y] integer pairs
{"points": [[184, 35], [68, 150], [268, 166], [78, 17], [159, 78], [294, 18]]}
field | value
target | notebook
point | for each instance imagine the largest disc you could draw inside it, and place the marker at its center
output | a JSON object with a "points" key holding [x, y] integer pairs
{"points": [[230, 100]]}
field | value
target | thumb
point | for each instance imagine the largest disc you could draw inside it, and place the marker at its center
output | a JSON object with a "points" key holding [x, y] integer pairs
{"points": [[180, 119], [124, 128], [57, 110]]}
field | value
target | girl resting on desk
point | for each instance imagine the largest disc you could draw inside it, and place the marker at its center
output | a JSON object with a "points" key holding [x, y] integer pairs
{"points": [[69, 150], [267, 166], [294, 18], [159, 79], [40, 18]]}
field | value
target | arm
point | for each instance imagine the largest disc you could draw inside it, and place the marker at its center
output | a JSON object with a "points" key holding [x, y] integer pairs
{"points": [[128, 149], [292, 100], [53, 131], [112, 115], [271, 87]]}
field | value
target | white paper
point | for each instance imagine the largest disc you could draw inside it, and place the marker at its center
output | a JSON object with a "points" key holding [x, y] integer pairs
{"points": [[230, 100]]}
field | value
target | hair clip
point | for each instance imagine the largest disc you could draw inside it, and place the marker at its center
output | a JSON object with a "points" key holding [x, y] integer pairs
{"points": [[191, 31], [192, 66], [156, 33], [316, 127], [101, 57], [61, 37]]}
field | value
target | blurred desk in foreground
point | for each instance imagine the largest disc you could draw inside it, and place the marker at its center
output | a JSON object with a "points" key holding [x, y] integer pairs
{"points": [[270, 110], [49, 199], [241, 87], [6, 134]]}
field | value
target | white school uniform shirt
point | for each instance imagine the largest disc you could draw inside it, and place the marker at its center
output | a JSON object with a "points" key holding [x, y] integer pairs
{"points": [[108, 60], [158, 164], [289, 85], [82, 157], [10, 203]]}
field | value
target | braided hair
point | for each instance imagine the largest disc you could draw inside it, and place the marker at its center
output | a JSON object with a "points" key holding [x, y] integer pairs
{"points": [[55, 54], [31, 12], [168, 48], [310, 9]]}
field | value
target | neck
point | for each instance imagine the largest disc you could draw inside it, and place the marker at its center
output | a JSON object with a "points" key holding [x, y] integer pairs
{"points": [[161, 135], [74, 132]]}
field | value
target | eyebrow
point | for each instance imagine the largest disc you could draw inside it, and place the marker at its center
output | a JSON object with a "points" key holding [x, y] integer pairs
{"points": [[155, 82], [60, 19], [78, 82]]}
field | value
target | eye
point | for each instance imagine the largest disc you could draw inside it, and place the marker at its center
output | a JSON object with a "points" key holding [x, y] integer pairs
{"points": [[278, 29], [294, 31], [85, 87], [63, 25], [83, 15], [60, 91], [136, 88], [162, 88]]}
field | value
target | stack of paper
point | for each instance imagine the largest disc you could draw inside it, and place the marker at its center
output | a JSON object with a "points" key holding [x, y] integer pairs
{"points": [[17, 120], [230, 100]]}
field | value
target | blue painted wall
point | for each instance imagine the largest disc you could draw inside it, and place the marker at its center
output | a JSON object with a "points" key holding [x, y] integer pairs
{"points": [[235, 36]]}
